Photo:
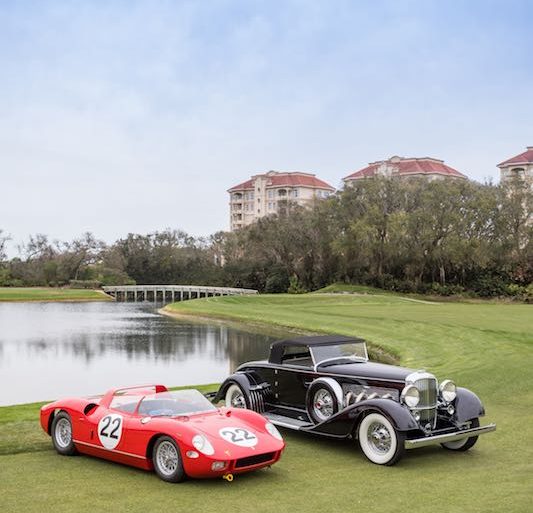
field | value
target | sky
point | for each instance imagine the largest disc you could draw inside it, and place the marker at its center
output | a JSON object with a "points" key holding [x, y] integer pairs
{"points": [[119, 117]]}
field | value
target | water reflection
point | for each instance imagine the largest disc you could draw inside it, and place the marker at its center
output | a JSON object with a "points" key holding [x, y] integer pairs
{"points": [[49, 350]]}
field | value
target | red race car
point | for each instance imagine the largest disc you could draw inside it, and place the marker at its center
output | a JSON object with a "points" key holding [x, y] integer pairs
{"points": [[176, 433]]}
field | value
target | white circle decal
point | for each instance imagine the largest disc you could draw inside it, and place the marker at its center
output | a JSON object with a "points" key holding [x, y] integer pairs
{"points": [[238, 436], [110, 430]]}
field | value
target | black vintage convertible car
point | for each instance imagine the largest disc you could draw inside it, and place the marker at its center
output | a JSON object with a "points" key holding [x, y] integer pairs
{"points": [[326, 385]]}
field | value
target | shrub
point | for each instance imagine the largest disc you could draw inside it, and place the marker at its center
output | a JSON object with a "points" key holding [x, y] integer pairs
{"points": [[85, 284], [277, 281], [295, 287]]}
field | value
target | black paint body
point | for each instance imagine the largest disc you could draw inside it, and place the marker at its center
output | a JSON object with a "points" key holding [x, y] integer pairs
{"points": [[281, 388]]}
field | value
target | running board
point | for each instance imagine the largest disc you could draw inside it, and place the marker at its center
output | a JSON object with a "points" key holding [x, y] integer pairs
{"points": [[286, 422]]}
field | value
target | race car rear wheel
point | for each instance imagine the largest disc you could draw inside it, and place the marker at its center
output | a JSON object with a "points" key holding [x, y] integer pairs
{"points": [[465, 443], [379, 441], [235, 397], [62, 434], [167, 460]]}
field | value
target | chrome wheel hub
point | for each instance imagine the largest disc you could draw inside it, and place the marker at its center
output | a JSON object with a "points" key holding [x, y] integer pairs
{"points": [[323, 404], [237, 400], [63, 433], [379, 437], [167, 458]]}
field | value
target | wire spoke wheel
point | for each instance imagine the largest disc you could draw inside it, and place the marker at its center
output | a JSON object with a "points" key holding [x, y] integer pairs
{"points": [[167, 458], [379, 441], [379, 437], [62, 433], [323, 404], [235, 397]]}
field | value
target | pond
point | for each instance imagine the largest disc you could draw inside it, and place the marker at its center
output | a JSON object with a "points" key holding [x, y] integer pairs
{"points": [[52, 350]]}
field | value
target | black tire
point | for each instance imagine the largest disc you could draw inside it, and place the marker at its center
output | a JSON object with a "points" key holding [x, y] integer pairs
{"points": [[322, 402], [167, 461], [380, 442], [61, 433], [464, 444]]}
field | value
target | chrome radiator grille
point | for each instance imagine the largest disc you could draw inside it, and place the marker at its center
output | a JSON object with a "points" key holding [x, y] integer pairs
{"points": [[428, 392], [427, 406]]}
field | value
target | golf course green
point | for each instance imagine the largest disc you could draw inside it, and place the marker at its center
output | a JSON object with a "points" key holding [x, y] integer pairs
{"points": [[487, 347]]}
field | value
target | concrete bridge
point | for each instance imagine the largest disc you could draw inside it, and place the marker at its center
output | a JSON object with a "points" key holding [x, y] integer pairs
{"points": [[165, 293]]}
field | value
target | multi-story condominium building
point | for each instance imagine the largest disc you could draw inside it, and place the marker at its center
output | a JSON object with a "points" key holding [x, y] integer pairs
{"points": [[269, 193], [520, 166], [427, 167]]}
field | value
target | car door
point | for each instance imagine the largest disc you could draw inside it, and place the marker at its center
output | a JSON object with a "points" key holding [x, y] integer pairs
{"points": [[108, 427], [290, 386], [293, 376]]}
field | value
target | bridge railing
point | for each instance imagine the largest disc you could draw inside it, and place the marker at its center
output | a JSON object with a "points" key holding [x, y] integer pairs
{"points": [[170, 292]]}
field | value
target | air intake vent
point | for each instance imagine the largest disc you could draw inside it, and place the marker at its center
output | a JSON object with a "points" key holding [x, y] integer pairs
{"points": [[250, 461]]}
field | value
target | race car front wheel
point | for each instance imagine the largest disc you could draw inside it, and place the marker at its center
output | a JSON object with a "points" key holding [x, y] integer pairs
{"points": [[379, 441], [62, 434], [167, 460]]}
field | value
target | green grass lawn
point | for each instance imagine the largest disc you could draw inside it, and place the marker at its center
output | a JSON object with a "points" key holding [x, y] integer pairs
{"points": [[486, 347], [50, 294]]}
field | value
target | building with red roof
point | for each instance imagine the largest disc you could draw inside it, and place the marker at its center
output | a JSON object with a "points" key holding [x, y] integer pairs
{"points": [[268, 193], [520, 167], [401, 167]]}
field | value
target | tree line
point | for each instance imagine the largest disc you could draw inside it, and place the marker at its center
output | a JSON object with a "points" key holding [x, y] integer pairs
{"points": [[444, 237]]}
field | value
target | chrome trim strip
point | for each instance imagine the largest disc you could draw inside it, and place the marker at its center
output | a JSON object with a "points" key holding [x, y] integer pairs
{"points": [[449, 437], [242, 368], [109, 450], [283, 424]]}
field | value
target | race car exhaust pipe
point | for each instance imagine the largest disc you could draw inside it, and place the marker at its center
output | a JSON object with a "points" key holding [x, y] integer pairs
{"points": [[228, 477]]}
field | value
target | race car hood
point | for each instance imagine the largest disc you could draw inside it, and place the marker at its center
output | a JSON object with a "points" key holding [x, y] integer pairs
{"points": [[233, 436]]}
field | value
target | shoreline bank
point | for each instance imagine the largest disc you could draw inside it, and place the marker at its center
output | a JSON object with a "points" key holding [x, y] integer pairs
{"points": [[48, 294]]}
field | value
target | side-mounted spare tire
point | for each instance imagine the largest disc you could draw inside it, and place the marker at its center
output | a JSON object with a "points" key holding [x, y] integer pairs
{"points": [[324, 399]]}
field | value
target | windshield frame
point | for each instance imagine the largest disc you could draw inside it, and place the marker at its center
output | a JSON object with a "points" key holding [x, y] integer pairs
{"points": [[352, 359], [171, 394]]}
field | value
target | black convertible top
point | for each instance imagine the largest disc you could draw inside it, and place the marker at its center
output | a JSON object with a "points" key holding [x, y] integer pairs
{"points": [[276, 348]]}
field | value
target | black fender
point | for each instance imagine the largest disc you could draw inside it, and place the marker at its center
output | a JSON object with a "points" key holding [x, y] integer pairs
{"points": [[255, 393], [343, 423], [467, 406]]}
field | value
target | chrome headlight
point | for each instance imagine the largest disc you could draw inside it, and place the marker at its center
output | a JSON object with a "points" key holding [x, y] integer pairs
{"points": [[448, 390], [202, 444], [273, 430], [410, 396]]}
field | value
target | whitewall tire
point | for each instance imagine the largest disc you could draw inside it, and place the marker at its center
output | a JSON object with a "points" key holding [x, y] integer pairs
{"points": [[235, 397], [379, 441], [465, 443]]}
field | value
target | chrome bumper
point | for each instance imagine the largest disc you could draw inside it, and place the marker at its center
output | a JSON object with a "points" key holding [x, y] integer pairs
{"points": [[449, 437]]}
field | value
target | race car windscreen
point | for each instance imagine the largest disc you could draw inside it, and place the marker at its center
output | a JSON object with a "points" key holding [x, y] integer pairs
{"points": [[341, 353], [172, 404]]}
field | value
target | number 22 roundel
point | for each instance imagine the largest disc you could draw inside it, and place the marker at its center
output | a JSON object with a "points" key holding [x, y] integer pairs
{"points": [[110, 430], [238, 436]]}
